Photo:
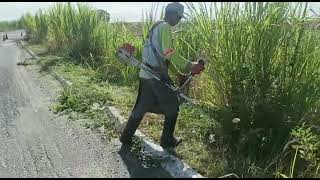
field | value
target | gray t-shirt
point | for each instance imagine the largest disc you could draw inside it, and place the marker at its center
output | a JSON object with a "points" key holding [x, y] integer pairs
{"points": [[148, 55]]}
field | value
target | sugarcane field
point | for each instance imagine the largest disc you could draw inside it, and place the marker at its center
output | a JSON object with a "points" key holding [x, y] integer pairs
{"points": [[160, 89]]}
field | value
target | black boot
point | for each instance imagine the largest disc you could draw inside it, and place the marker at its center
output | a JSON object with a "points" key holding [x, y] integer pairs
{"points": [[130, 129], [172, 143], [127, 134], [126, 140], [168, 140]]}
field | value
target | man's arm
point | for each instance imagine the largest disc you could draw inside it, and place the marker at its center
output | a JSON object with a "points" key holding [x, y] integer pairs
{"points": [[177, 64], [182, 65]]}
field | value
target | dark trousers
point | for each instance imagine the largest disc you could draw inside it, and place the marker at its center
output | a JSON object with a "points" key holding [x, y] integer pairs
{"points": [[155, 97]]}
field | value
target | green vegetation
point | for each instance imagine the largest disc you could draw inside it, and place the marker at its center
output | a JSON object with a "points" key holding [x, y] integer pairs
{"points": [[259, 93], [10, 25]]}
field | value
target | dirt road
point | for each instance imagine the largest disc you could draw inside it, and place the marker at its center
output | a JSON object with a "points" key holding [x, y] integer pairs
{"points": [[38, 143]]}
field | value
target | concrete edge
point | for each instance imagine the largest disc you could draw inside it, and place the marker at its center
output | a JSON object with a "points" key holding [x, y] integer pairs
{"points": [[55, 75], [29, 51], [59, 78], [173, 165]]}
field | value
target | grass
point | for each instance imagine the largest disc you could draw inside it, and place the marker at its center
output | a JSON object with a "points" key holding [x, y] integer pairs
{"points": [[84, 93], [41, 24], [260, 66], [263, 70], [39, 48]]}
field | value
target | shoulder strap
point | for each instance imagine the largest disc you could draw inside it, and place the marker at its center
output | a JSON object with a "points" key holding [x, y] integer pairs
{"points": [[152, 45], [153, 27]]}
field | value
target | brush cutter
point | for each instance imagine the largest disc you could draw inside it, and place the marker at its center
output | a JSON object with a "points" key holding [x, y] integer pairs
{"points": [[126, 55]]}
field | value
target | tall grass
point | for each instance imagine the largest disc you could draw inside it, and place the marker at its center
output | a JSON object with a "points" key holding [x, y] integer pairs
{"points": [[41, 26], [57, 37], [28, 22], [263, 68], [115, 35], [81, 33], [77, 31]]}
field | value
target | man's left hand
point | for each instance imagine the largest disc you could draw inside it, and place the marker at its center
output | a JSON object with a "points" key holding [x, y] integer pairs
{"points": [[197, 68]]}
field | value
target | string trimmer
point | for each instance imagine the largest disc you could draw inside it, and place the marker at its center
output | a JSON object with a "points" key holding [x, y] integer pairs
{"points": [[126, 54]]}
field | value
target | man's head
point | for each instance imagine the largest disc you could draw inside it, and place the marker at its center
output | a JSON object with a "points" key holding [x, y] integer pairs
{"points": [[173, 13]]}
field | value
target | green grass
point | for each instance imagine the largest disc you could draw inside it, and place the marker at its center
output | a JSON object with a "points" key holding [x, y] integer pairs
{"points": [[123, 98], [39, 49], [41, 24], [263, 68], [81, 96]]}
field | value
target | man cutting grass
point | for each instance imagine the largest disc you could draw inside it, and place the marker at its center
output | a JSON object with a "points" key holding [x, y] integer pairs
{"points": [[159, 54]]}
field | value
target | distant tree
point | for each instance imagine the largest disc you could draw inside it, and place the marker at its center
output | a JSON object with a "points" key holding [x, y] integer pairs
{"points": [[104, 15]]}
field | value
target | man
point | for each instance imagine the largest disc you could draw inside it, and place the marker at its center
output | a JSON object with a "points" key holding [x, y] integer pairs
{"points": [[153, 96]]}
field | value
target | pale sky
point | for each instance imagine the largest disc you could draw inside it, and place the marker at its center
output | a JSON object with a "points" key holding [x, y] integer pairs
{"points": [[126, 11]]}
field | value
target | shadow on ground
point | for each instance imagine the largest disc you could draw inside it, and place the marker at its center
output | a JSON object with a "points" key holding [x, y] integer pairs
{"points": [[136, 168]]}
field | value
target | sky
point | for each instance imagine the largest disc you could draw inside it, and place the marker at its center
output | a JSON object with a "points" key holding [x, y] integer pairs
{"points": [[126, 11]]}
